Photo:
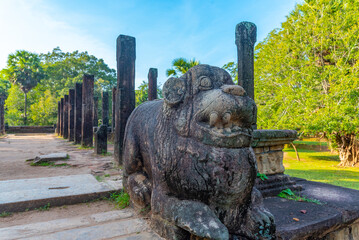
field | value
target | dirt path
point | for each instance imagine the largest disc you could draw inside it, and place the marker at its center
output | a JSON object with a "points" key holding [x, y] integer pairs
{"points": [[16, 148]]}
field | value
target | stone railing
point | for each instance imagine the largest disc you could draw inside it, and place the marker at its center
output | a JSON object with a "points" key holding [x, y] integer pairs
{"points": [[30, 129]]}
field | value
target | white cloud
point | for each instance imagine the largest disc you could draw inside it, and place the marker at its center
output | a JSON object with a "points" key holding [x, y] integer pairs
{"points": [[30, 25]]}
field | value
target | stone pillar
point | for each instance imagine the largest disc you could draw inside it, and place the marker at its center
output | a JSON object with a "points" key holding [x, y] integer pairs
{"points": [[125, 96], [71, 108], [105, 108], [152, 84], [58, 118], [2, 116], [95, 111], [113, 108], [62, 117], [101, 140], [66, 117], [87, 109], [78, 113], [246, 36]]}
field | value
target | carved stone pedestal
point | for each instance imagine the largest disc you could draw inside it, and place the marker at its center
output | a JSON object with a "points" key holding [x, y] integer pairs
{"points": [[268, 146]]}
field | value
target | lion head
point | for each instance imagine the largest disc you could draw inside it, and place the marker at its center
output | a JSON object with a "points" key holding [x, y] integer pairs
{"points": [[208, 106]]}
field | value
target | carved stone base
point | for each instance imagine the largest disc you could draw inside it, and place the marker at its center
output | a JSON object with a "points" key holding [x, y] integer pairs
{"points": [[275, 184], [168, 230]]}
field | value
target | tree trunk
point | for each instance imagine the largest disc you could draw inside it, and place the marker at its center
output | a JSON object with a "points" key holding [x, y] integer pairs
{"points": [[25, 118], [348, 149]]}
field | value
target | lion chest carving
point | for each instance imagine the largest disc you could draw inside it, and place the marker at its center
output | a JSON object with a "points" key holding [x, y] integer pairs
{"points": [[189, 157]]}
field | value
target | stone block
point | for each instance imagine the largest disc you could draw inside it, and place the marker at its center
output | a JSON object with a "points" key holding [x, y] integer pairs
{"points": [[355, 230], [276, 147], [101, 140], [270, 162], [342, 234]]}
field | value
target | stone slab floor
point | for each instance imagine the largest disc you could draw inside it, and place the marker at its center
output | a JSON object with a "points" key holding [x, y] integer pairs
{"points": [[86, 221], [16, 148]]}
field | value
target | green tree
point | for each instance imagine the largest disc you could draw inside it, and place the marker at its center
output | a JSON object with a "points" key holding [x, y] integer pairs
{"points": [[307, 74], [180, 66], [64, 69], [232, 69], [142, 93], [14, 105], [44, 110], [24, 69]]}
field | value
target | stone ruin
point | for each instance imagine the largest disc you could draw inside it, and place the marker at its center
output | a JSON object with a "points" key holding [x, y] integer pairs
{"points": [[189, 157], [178, 155]]}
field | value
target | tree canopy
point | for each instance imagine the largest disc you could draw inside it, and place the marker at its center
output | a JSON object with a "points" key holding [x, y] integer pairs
{"points": [[307, 74], [25, 70], [180, 66], [59, 72]]}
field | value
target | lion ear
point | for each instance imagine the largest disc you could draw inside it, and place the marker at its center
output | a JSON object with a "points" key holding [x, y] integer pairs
{"points": [[174, 90]]}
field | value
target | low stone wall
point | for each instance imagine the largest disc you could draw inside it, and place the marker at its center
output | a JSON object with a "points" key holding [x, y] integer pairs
{"points": [[350, 232], [30, 129]]}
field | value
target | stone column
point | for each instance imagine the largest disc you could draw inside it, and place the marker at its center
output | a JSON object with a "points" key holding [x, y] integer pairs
{"points": [[78, 113], [2, 116], [101, 140], [125, 96], [95, 111], [58, 118], [66, 117], [113, 108], [62, 117], [105, 108], [152, 84], [71, 109], [246, 36], [87, 109]]}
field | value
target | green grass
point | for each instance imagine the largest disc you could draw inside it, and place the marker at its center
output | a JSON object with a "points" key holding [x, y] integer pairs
{"points": [[288, 194], [121, 199], [49, 164], [315, 143], [44, 208], [320, 167], [84, 147], [5, 214], [99, 178]]}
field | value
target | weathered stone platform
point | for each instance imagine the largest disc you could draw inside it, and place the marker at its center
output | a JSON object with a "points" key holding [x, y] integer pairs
{"points": [[336, 218], [118, 224], [22, 194]]}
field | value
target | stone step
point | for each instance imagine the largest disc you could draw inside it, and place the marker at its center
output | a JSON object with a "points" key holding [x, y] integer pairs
{"points": [[22, 194], [119, 224]]}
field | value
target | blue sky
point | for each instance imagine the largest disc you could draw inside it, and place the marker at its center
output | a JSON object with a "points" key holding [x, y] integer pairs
{"points": [[164, 30]]}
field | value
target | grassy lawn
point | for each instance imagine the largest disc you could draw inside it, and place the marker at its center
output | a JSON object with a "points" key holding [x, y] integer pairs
{"points": [[319, 166]]}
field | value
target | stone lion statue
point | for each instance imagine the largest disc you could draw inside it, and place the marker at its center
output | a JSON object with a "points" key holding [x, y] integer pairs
{"points": [[189, 158]]}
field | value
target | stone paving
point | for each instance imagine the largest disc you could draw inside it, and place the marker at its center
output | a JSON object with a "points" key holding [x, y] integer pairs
{"points": [[22, 194], [118, 224]]}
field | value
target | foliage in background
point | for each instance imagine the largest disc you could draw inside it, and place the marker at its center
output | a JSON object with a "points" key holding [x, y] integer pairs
{"points": [[24, 69], [14, 105], [63, 70], [59, 72], [232, 69], [142, 93], [180, 66], [307, 74], [4, 85]]}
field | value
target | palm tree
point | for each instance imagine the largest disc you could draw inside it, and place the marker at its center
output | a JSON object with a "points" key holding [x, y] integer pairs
{"points": [[24, 69], [180, 66]]}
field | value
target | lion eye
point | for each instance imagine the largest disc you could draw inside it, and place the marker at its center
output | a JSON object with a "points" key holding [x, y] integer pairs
{"points": [[205, 83]]}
